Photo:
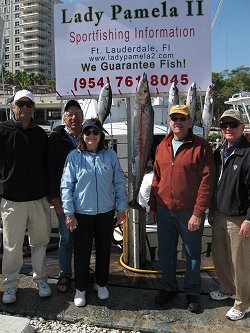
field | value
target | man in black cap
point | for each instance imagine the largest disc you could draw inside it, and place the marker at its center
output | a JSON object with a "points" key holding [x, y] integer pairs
{"points": [[230, 216], [62, 140]]}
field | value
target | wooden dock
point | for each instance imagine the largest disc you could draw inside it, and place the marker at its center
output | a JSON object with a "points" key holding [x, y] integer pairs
{"points": [[121, 276]]}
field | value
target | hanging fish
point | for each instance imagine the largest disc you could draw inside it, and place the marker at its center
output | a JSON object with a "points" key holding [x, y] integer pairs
{"points": [[10, 99], [192, 101], [143, 130], [173, 99], [104, 103], [208, 109]]}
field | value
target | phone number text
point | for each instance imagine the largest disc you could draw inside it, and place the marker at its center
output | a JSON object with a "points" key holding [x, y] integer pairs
{"points": [[129, 81]]}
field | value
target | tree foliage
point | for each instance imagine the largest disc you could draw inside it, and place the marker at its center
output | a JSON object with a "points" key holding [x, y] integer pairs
{"points": [[228, 83], [24, 80]]}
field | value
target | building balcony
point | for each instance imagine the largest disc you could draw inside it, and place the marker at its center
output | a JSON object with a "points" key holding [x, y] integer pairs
{"points": [[35, 32], [35, 57], [36, 41], [37, 49], [35, 16], [29, 16], [36, 65], [42, 2], [36, 8], [35, 24]]}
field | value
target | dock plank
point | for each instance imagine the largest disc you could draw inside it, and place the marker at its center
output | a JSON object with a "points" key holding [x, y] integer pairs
{"points": [[120, 276]]}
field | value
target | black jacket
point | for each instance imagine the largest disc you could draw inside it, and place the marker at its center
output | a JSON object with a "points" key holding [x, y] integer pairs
{"points": [[232, 196], [58, 148], [23, 164]]}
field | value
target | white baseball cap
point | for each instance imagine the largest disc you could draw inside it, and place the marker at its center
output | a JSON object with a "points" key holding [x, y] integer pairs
{"points": [[24, 93]]}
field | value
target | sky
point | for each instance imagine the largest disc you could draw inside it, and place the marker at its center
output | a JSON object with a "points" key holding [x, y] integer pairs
{"points": [[230, 35]]}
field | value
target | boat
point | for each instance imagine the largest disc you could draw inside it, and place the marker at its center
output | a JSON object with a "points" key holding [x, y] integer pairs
{"points": [[241, 102]]}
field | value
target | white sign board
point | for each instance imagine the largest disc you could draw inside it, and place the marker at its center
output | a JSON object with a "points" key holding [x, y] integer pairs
{"points": [[117, 41]]}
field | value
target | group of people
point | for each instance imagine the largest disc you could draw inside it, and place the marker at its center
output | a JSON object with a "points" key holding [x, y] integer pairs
{"points": [[187, 180], [75, 172], [84, 182]]}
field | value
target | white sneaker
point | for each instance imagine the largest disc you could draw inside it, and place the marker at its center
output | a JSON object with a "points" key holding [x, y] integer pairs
{"points": [[44, 289], [234, 314], [219, 296], [9, 295], [102, 292], [79, 298]]}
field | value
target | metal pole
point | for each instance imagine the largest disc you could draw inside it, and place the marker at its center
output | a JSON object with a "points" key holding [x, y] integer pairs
{"points": [[133, 214], [111, 132]]}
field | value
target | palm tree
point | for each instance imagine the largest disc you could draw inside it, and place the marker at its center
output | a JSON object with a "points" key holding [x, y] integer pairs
{"points": [[40, 79], [8, 77], [52, 85], [22, 80]]}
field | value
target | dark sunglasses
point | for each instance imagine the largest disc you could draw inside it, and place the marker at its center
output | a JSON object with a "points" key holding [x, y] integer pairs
{"points": [[93, 132], [231, 124], [21, 104], [175, 118], [71, 115]]}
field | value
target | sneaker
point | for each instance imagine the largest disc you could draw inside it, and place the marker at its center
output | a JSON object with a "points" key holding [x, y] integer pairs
{"points": [[102, 292], [9, 295], [234, 314], [44, 289], [219, 296], [194, 303], [79, 299], [164, 296]]}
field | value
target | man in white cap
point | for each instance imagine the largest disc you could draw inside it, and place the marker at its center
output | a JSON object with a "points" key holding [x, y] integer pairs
{"points": [[230, 216], [24, 190], [181, 191]]}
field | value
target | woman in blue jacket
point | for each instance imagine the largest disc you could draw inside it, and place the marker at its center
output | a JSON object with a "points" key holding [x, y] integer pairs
{"points": [[92, 188]]}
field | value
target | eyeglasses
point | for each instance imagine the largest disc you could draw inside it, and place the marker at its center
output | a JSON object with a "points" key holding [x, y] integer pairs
{"points": [[21, 104], [175, 118], [71, 115], [231, 124], [93, 132]]}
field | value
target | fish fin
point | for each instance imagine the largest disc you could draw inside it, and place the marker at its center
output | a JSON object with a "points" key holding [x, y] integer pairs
{"points": [[10, 100]]}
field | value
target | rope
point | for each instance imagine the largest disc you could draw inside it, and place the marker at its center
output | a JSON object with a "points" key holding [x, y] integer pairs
{"points": [[148, 271], [216, 14]]}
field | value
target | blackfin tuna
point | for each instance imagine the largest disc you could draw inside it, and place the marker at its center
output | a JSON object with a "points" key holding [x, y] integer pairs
{"points": [[208, 109], [104, 103], [191, 101]]}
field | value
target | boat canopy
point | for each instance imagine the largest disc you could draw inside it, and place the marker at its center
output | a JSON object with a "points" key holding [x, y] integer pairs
{"points": [[241, 102]]}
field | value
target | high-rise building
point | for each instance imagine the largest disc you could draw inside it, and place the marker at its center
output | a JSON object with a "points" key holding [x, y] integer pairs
{"points": [[28, 36]]}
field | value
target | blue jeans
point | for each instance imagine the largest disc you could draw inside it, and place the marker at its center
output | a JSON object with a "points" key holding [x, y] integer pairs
{"points": [[65, 248], [171, 224], [148, 219]]}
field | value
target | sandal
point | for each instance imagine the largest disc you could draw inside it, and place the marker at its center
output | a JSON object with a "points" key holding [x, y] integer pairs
{"points": [[63, 284]]}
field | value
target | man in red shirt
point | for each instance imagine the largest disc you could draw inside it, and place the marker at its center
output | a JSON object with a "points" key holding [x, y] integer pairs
{"points": [[181, 191]]}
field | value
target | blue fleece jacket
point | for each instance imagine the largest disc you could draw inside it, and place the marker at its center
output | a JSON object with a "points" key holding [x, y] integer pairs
{"points": [[93, 183]]}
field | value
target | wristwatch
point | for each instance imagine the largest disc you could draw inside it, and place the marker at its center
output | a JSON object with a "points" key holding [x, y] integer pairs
{"points": [[247, 221]]}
